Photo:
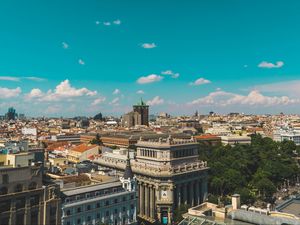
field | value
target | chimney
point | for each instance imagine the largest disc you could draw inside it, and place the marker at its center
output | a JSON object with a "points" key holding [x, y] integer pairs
{"points": [[236, 201]]}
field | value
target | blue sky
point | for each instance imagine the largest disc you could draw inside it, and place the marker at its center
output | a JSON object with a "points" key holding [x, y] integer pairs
{"points": [[80, 57]]}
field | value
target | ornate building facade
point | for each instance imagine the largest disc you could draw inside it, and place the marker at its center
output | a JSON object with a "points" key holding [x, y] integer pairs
{"points": [[24, 200], [169, 174]]}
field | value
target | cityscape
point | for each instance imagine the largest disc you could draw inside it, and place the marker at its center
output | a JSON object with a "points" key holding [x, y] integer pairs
{"points": [[148, 112]]}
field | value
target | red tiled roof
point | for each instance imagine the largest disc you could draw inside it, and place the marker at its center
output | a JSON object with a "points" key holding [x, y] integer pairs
{"points": [[82, 147], [206, 136]]}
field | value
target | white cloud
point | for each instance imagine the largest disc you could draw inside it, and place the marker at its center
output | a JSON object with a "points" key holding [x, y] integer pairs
{"points": [[97, 22], [200, 81], [149, 79], [9, 78], [81, 62], [117, 22], [116, 91], [149, 45], [254, 98], [171, 73], [62, 91], [115, 101], [35, 79], [98, 101], [270, 65], [155, 101], [106, 23], [140, 92], [34, 93], [65, 45], [9, 93]]}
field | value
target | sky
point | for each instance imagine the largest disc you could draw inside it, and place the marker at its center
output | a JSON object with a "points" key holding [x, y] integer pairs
{"points": [[71, 58]]}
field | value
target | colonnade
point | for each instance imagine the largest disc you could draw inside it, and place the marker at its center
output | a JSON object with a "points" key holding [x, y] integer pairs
{"points": [[190, 193], [147, 196]]}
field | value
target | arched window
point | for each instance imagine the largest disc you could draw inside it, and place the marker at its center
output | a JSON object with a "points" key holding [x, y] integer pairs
{"points": [[3, 191], [32, 186], [19, 188]]}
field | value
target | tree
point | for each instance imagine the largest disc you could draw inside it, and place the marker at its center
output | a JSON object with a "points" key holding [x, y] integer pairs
{"points": [[96, 140]]}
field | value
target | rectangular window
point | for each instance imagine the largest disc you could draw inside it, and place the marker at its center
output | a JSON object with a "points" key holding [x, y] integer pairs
{"points": [[5, 179]]}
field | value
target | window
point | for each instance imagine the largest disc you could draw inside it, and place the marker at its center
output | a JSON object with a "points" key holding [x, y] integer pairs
{"points": [[107, 203], [124, 209], [116, 211], [116, 200], [132, 196], [79, 221], [124, 199], [68, 223], [78, 210], [68, 212], [88, 219], [18, 188], [107, 213], [3, 191], [88, 207], [98, 215], [132, 206], [98, 205], [32, 186], [5, 179]]}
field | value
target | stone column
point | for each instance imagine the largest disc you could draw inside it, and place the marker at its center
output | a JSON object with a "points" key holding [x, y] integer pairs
{"points": [[147, 203], [12, 218], [170, 216], [27, 214], [204, 189], [159, 214], [184, 194], [192, 194], [142, 200], [178, 193], [197, 193], [152, 206]]}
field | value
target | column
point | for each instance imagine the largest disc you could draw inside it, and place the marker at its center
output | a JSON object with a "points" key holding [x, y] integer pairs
{"points": [[159, 214], [191, 191], [170, 216], [13, 212], [197, 192], [147, 203], [27, 214], [152, 202], [184, 201], [142, 200], [178, 193], [204, 189]]}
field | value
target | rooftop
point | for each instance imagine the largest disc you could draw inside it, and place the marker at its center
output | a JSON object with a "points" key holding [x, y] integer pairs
{"points": [[83, 147]]}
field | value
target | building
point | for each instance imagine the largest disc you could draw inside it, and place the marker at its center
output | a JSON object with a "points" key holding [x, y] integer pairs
{"points": [[235, 214], [208, 139], [111, 203], [82, 152], [233, 140], [11, 114], [143, 110], [24, 200], [139, 116], [169, 174], [289, 135]]}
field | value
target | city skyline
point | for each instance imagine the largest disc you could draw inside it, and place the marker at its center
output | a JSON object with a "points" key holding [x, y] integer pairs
{"points": [[62, 59]]}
